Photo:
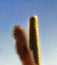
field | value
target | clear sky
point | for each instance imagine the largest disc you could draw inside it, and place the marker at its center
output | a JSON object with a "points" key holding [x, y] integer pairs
{"points": [[14, 12]]}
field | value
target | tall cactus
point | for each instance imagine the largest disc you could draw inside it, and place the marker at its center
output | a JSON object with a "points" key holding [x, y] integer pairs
{"points": [[34, 38]]}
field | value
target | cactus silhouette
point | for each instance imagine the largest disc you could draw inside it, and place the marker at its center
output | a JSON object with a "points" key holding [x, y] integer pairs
{"points": [[34, 38], [23, 49]]}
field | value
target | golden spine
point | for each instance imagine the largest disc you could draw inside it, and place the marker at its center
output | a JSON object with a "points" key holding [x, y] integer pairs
{"points": [[34, 43]]}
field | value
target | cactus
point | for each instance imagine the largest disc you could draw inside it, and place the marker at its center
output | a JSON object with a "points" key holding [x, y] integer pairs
{"points": [[34, 38], [22, 47]]}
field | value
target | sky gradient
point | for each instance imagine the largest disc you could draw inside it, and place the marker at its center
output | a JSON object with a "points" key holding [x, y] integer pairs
{"points": [[14, 12]]}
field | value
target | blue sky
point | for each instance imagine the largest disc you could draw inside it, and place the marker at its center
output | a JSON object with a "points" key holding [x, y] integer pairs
{"points": [[14, 12]]}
